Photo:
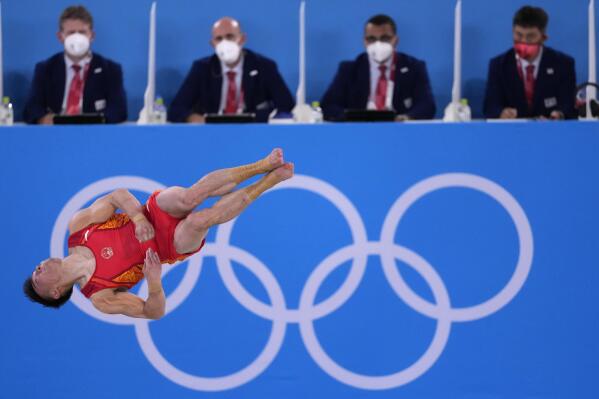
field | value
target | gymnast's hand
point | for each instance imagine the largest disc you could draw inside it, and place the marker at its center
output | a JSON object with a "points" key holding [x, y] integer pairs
{"points": [[152, 267], [144, 230]]}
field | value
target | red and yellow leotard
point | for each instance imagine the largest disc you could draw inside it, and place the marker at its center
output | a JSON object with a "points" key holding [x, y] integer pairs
{"points": [[119, 256]]}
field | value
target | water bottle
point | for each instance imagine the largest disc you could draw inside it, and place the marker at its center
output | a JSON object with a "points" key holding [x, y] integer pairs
{"points": [[316, 112], [6, 112], [159, 114], [464, 112]]}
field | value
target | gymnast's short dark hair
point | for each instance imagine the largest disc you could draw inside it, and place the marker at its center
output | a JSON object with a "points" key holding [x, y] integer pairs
{"points": [[49, 303], [531, 17], [382, 19]]}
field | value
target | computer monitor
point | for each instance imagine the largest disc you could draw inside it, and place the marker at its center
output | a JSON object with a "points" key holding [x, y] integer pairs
{"points": [[368, 115], [230, 118], [81, 119]]}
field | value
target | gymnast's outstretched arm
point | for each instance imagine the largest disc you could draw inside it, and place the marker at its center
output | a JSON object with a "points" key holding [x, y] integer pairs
{"points": [[103, 208], [117, 302]]}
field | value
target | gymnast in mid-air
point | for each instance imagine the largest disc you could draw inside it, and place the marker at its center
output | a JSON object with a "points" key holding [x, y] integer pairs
{"points": [[110, 252]]}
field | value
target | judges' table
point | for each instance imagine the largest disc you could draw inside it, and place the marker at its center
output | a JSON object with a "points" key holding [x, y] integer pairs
{"points": [[414, 260]]}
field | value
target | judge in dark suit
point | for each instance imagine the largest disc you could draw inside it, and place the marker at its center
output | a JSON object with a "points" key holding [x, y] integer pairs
{"points": [[531, 80], [76, 81], [234, 80], [380, 78]]}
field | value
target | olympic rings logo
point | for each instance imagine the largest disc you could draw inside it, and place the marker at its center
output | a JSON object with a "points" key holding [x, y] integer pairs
{"points": [[308, 311]]}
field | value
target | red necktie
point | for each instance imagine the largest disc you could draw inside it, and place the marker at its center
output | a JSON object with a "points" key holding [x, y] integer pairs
{"points": [[75, 92], [529, 84], [231, 104], [381, 89]]}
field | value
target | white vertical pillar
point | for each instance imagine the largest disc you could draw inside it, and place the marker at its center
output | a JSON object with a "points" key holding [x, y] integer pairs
{"points": [[456, 92], [591, 92], [1, 59], [146, 112], [301, 87]]}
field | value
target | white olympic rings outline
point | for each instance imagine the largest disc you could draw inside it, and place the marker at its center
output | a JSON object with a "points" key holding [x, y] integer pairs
{"points": [[307, 311]]}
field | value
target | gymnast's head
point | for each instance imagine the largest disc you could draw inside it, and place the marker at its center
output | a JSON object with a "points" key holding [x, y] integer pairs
{"points": [[47, 285]]}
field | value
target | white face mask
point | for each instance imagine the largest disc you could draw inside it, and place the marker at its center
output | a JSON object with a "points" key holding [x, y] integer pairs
{"points": [[76, 45], [379, 51], [228, 51]]}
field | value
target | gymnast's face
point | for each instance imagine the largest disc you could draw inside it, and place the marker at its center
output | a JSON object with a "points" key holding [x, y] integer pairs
{"points": [[46, 276]]}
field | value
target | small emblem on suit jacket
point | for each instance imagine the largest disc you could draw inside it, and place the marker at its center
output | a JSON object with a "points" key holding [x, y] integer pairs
{"points": [[100, 105], [550, 102]]}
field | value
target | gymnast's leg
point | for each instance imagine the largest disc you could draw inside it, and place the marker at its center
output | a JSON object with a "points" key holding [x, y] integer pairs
{"points": [[179, 201], [191, 231]]}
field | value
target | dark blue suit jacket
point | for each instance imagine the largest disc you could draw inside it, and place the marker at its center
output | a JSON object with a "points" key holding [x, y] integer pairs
{"points": [[555, 86], [351, 88], [104, 85], [263, 88]]}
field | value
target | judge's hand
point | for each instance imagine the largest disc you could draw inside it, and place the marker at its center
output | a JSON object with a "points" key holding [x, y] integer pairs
{"points": [[509, 113], [47, 119], [196, 118]]}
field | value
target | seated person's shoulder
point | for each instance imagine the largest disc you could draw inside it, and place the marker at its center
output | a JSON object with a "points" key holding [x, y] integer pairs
{"points": [[499, 57], [204, 64], [52, 60], [205, 61], [260, 59], [503, 58], [559, 55], [406, 59], [350, 65], [106, 62]]}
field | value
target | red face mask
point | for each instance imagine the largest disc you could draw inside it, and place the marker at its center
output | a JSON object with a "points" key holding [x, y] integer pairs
{"points": [[528, 51]]}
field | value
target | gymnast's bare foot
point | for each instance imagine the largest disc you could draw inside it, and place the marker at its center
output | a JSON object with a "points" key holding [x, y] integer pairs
{"points": [[273, 160], [283, 172], [270, 180]]}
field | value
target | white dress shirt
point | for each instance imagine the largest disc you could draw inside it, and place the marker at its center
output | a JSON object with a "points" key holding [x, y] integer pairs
{"points": [[70, 75], [375, 74], [524, 64], [238, 69]]}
